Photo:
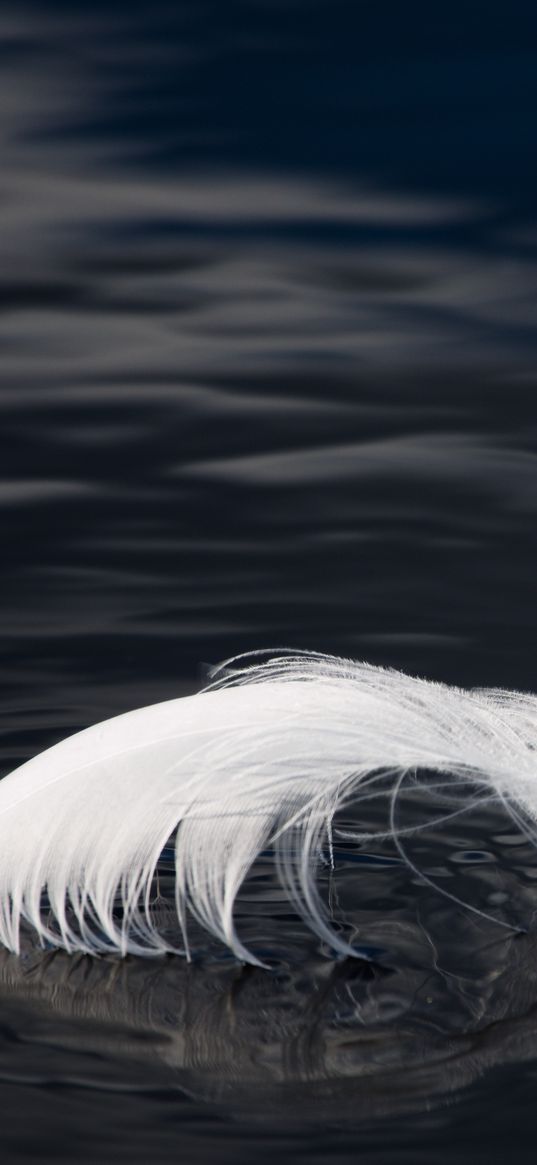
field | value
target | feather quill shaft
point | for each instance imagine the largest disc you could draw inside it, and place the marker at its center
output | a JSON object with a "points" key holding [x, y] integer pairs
{"points": [[264, 756]]}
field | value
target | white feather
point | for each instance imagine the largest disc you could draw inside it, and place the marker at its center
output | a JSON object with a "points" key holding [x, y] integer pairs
{"points": [[264, 756]]}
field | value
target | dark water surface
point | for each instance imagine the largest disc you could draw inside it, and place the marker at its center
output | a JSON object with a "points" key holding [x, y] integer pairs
{"points": [[267, 325]]}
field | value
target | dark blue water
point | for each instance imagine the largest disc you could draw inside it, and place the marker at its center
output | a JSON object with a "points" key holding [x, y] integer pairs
{"points": [[267, 325]]}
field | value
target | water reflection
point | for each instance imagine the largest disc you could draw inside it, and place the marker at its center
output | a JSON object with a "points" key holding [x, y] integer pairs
{"points": [[323, 1042], [440, 998]]}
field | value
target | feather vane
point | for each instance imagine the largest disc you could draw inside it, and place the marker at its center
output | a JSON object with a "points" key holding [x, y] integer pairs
{"points": [[264, 756]]}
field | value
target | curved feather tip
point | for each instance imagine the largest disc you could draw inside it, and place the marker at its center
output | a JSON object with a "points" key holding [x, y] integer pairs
{"points": [[264, 756]]}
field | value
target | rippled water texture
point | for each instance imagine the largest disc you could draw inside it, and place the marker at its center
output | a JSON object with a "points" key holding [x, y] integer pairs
{"points": [[268, 349]]}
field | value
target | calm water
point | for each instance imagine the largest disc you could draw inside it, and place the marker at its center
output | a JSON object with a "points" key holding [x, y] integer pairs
{"points": [[269, 356]]}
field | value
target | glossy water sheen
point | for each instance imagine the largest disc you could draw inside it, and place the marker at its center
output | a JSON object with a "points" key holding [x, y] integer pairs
{"points": [[268, 347]]}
